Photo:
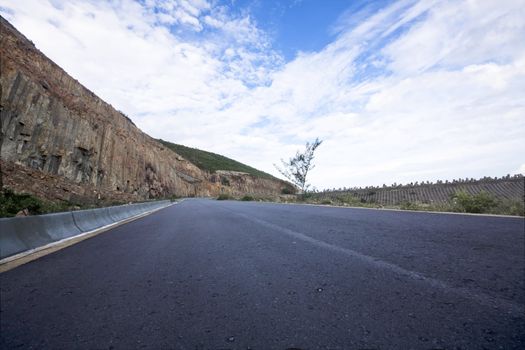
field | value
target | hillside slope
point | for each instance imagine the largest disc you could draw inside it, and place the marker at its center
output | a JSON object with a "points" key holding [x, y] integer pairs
{"points": [[508, 189], [212, 162]]}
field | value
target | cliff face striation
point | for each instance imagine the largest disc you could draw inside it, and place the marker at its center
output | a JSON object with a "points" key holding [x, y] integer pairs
{"points": [[60, 141]]}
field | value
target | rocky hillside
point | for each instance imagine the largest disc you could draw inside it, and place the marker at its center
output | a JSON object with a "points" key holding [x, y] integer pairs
{"points": [[60, 141]]}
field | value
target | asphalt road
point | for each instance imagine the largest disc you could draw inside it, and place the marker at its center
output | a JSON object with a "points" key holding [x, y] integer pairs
{"points": [[208, 274]]}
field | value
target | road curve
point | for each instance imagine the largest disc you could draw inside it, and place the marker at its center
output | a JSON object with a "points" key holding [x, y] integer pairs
{"points": [[208, 274]]}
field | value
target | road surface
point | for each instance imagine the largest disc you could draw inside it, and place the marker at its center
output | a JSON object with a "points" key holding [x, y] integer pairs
{"points": [[206, 274]]}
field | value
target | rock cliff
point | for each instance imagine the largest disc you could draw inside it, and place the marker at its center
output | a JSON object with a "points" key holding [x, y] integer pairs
{"points": [[60, 141]]}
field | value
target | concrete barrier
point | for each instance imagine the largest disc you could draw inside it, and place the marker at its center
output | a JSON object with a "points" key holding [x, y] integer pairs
{"points": [[118, 213], [135, 209], [10, 244], [24, 233], [59, 225], [88, 220]]}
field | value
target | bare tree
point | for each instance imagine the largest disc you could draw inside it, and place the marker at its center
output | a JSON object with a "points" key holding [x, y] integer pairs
{"points": [[296, 169]]}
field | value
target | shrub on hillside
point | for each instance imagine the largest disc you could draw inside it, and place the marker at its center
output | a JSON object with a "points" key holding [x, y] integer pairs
{"points": [[407, 205], [510, 207], [223, 197], [11, 203], [287, 190], [247, 198], [481, 202]]}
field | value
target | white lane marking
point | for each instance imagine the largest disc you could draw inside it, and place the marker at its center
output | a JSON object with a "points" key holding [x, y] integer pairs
{"points": [[480, 297]]}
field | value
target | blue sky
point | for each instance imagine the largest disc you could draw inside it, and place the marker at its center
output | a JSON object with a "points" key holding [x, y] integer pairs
{"points": [[400, 91], [298, 25]]}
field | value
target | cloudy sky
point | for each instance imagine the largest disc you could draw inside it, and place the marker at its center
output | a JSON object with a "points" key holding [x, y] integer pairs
{"points": [[399, 91]]}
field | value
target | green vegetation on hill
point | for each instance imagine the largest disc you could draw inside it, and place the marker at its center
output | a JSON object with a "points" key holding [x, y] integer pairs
{"points": [[212, 162]]}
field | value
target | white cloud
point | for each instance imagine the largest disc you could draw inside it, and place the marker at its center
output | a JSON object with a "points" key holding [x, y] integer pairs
{"points": [[418, 90]]}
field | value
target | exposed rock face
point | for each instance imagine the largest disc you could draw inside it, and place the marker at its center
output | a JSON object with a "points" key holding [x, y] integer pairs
{"points": [[59, 140]]}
